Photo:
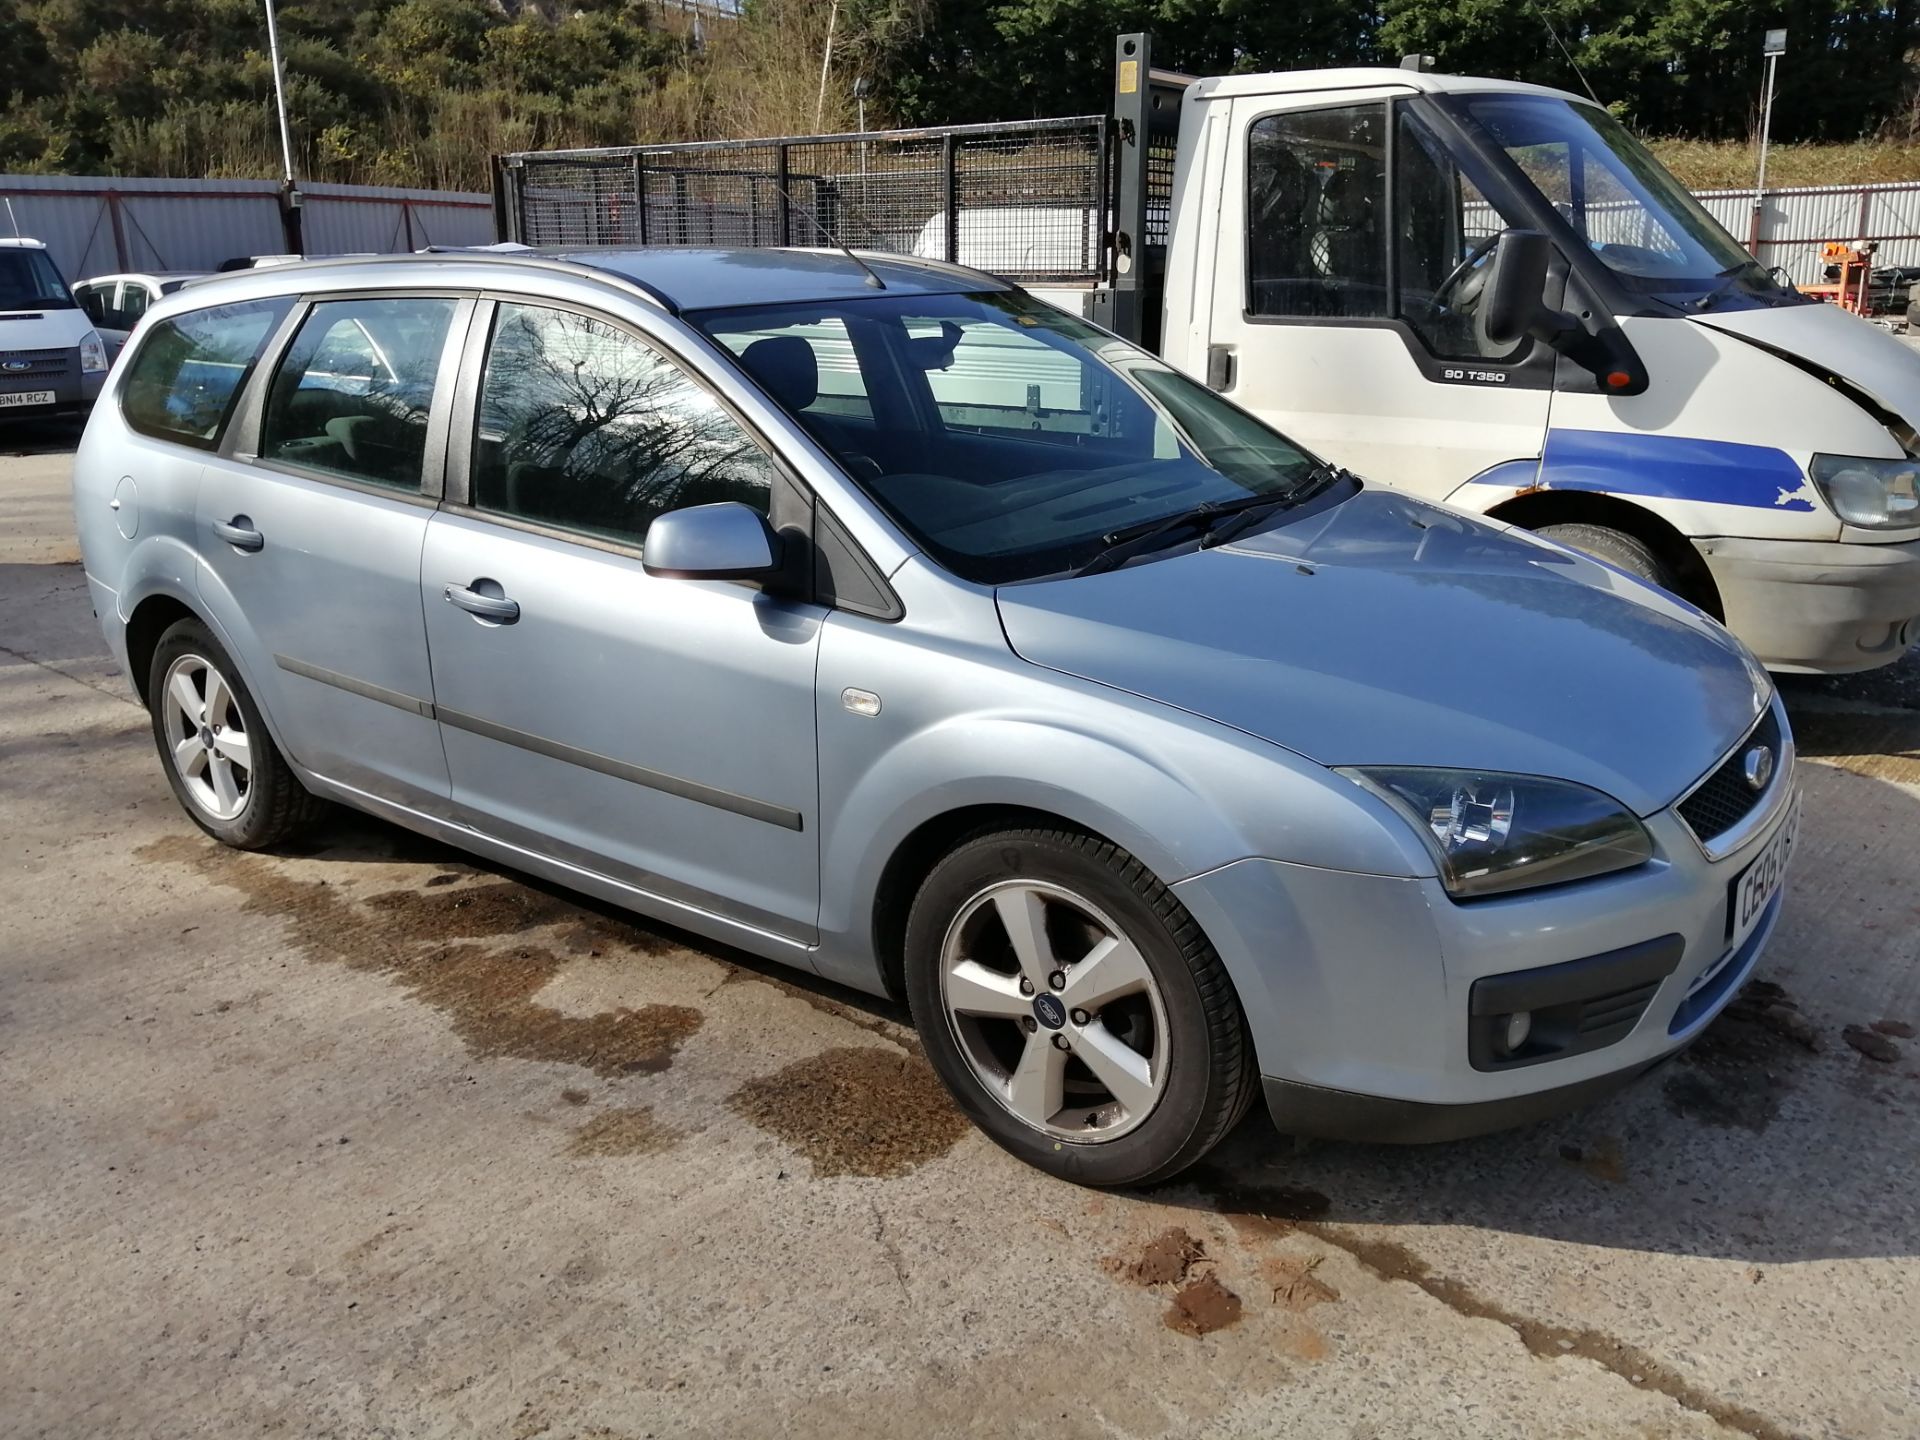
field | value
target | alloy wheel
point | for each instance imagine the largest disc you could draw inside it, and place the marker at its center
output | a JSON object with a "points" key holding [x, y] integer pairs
{"points": [[207, 742], [1055, 1009]]}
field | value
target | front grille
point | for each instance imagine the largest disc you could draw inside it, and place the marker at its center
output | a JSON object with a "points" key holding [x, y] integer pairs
{"points": [[36, 362], [1724, 798]]}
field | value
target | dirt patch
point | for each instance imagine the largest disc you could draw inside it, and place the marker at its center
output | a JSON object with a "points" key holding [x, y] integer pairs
{"points": [[1295, 1283], [631, 1130], [486, 994], [859, 1110], [1871, 1043], [1735, 1075], [1163, 1260], [1898, 1029], [1602, 1159], [1203, 1306], [575, 1097]]}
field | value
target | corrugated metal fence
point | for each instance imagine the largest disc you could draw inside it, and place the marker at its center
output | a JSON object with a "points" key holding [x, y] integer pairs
{"points": [[1795, 223], [99, 225]]}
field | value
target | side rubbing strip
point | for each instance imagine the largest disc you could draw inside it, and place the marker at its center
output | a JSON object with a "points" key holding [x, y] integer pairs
{"points": [[634, 774], [399, 699]]}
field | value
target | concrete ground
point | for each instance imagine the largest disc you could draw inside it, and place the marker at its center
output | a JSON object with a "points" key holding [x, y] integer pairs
{"points": [[366, 1139]]}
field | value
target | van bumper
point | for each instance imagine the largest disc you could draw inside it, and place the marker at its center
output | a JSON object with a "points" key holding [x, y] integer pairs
{"points": [[1819, 607]]}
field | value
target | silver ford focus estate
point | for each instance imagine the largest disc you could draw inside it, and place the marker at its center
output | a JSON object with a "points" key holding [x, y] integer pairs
{"points": [[871, 616]]}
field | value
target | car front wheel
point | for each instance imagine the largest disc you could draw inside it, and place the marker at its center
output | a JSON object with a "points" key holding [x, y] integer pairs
{"points": [[1074, 1009]]}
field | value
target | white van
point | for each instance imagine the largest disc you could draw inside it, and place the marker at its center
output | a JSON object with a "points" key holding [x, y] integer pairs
{"points": [[52, 360], [1485, 292]]}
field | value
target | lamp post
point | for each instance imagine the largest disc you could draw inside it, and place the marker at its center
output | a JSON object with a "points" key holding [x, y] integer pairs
{"points": [[289, 191], [1773, 47]]}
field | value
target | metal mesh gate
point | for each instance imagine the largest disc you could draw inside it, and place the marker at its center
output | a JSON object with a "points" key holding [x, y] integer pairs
{"points": [[1026, 200]]}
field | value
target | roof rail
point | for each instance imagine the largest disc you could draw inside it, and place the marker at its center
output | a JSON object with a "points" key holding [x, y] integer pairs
{"points": [[579, 269]]}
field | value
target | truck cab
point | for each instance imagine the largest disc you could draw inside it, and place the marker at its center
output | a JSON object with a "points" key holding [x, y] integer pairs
{"points": [[1491, 294], [52, 360]]}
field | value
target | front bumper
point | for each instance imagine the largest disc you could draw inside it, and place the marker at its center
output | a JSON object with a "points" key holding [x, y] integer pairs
{"points": [[1359, 989], [74, 390], [1824, 607]]}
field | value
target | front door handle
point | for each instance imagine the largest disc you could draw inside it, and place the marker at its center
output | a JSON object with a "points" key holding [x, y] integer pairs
{"points": [[239, 533], [497, 608]]}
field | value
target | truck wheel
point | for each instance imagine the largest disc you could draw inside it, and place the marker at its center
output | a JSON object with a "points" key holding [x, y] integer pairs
{"points": [[224, 768], [1071, 1005], [1619, 549]]}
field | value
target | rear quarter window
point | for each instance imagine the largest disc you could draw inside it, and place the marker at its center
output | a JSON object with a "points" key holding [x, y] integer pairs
{"points": [[182, 383]]}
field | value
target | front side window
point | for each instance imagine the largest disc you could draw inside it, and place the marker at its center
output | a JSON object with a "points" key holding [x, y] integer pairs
{"points": [[1317, 213], [96, 298], [963, 459], [582, 426], [355, 389], [1446, 233], [182, 382], [29, 280]]}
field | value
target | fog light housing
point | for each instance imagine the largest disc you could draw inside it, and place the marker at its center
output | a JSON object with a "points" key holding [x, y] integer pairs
{"points": [[1510, 1032]]}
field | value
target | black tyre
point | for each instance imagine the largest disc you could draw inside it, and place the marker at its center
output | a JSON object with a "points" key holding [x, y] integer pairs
{"points": [[1074, 1009], [223, 766], [1619, 549]]}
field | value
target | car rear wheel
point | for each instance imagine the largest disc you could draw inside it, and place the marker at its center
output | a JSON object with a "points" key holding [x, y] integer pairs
{"points": [[1619, 549], [1074, 1009], [223, 766]]}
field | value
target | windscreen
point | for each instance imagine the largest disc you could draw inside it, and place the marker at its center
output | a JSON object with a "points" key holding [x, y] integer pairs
{"points": [[29, 281], [1009, 439], [1634, 216]]}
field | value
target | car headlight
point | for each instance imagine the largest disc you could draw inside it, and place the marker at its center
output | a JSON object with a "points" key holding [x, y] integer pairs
{"points": [[93, 353], [1873, 494], [1494, 832]]}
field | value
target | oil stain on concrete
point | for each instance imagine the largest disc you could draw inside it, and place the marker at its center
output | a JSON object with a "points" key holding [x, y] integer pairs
{"points": [[627, 1130], [486, 993], [857, 1110]]}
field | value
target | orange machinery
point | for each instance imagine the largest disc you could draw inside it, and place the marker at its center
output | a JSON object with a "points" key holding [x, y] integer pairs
{"points": [[1853, 266]]}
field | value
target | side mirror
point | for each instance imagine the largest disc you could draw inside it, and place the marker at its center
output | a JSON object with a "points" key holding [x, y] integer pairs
{"points": [[1512, 305], [724, 541]]}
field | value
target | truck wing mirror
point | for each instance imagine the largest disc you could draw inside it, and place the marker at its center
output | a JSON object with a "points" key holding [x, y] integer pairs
{"points": [[1512, 305]]}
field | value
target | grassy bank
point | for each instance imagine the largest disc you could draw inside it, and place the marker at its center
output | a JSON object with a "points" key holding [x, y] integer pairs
{"points": [[1728, 165]]}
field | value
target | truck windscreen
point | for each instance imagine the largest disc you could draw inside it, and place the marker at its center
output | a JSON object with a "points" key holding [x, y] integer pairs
{"points": [[1633, 215], [29, 281]]}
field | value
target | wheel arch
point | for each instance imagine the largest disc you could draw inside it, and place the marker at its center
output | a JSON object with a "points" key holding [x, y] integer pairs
{"points": [[1534, 509], [151, 618]]}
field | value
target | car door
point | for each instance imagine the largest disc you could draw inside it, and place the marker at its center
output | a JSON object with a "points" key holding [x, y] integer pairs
{"points": [[98, 299], [311, 528], [660, 732], [1342, 301]]}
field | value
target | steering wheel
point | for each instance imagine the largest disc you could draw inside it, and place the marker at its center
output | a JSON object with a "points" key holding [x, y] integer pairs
{"points": [[1459, 272]]}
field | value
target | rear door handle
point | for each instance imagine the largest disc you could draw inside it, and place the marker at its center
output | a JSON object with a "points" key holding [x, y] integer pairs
{"points": [[239, 533], [497, 608]]}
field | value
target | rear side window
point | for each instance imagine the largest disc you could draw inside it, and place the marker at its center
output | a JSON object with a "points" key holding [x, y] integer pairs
{"points": [[182, 383], [354, 390]]}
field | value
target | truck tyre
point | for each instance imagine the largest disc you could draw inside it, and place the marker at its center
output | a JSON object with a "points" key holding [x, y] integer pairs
{"points": [[1074, 1008], [225, 770], [1619, 549]]}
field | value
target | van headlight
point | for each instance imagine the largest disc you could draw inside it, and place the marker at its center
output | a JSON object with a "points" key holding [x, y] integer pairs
{"points": [[1873, 494], [93, 353], [1493, 832]]}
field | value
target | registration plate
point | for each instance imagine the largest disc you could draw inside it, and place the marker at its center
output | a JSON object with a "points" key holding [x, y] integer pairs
{"points": [[26, 397], [1753, 888]]}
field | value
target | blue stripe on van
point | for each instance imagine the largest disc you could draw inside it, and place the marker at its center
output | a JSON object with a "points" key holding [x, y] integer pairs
{"points": [[1671, 467]]}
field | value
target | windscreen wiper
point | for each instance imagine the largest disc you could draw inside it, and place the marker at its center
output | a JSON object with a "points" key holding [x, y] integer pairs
{"points": [[1244, 517], [1120, 546]]}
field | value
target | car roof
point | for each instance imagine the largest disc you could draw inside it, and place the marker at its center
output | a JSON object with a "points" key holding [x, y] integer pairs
{"points": [[671, 277], [145, 275], [20, 242]]}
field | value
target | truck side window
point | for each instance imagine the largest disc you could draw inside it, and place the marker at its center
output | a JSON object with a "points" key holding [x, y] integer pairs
{"points": [[1442, 218], [1316, 213]]}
